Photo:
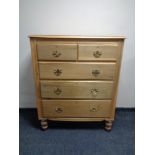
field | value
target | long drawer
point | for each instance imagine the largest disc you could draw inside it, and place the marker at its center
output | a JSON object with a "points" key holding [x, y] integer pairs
{"points": [[99, 51], [76, 108], [57, 51], [77, 89], [71, 70]]}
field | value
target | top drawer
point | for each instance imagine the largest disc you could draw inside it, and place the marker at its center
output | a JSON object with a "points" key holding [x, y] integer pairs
{"points": [[99, 51], [57, 51]]}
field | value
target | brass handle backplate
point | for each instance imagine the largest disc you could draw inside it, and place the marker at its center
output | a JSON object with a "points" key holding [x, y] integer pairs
{"points": [[94, 92], [95, 72], [57, 72], [59, 110], [56, 54], [97, 54], [58, 91], [93, 109]]}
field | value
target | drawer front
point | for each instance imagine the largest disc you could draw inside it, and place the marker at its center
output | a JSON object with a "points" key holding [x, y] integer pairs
{"points": [[77, 89], [76, 108], [57, 51], [70, 70], [99, 51]]}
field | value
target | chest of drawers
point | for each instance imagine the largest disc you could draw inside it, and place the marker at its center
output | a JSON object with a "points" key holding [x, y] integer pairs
{"points": [[76, 77]]}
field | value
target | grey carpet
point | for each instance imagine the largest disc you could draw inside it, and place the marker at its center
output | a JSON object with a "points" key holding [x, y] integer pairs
{"points": [[77, 138]]}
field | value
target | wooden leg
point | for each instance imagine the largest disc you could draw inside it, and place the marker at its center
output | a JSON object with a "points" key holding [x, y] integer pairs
{"points": [[44, 124], [108, 125]]}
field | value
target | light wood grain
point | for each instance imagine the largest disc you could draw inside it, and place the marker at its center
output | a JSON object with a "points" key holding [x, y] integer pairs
{"points": [[116, 81], [71, 70], [36, 77], [79, 119], [75, 37], [77, 89], [107, 50], [76, 108], [57, 51], [73, 93]]}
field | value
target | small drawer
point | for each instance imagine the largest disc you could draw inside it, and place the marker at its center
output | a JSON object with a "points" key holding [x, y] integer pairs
{"points": [[77, 89], [81, 70], [99, 51], [57, 51], [76, 108]]}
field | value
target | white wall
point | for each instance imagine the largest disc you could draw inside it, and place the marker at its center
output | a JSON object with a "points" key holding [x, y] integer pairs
{"points": [[77, 17]]}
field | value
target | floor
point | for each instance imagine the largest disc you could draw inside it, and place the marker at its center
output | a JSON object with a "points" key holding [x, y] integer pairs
{"points": [[77, 138]]}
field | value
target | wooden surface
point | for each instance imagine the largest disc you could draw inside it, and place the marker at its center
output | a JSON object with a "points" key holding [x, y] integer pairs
{"points": [[77, 89], [116, 81], [80, 119], [57, 51], [78, 70], [75, 37], [74, 74], [36, 76], [108, 51], [76, 108]]}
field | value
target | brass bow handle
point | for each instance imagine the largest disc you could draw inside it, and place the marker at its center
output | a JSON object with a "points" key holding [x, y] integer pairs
{"points": [[93, 109], [59, 110], [94, 92], [56, 54], [58, 91], [97, 54], [96, 72], [57, 72]]}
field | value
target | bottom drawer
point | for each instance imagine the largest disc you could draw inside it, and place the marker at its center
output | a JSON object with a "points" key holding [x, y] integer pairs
{"points": [[76, 108]]}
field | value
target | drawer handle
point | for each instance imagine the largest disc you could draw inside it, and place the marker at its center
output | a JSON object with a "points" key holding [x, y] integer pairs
{"points": [[58, 91], [59, 110], [94, 92], [97, 54], [57, 72], [56, 54], [96, 72], [93, 110]]}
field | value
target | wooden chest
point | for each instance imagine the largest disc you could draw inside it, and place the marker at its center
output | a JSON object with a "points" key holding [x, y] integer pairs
{"points": [[76, 77]]}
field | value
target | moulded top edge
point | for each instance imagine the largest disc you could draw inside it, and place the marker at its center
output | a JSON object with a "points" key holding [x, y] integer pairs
{"points": [[75, 37]]}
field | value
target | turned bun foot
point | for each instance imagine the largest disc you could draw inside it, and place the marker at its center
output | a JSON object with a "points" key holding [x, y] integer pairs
{"points": [[44, 124], [108, 125]]}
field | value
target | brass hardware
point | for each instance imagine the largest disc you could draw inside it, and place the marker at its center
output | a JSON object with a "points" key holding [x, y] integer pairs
{"points": [[57, 72], [58, 91], [97, 54], [95, 72], [93, 109], [94, 92], [56, 54], [59, 110]]}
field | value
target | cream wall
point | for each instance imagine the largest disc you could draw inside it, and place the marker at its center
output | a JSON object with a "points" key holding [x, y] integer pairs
{"points": [[77, 17]]}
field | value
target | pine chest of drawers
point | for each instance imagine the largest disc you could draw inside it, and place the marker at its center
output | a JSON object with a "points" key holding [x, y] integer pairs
{"points": [[76, 77]]}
